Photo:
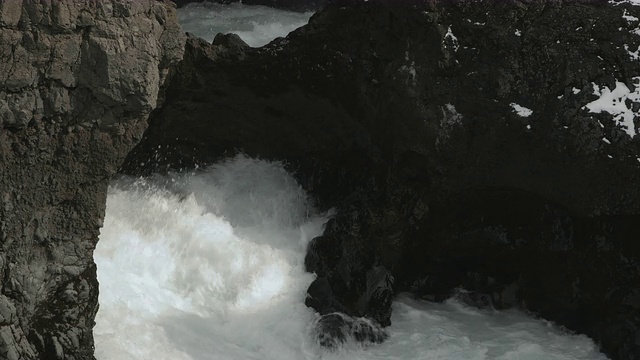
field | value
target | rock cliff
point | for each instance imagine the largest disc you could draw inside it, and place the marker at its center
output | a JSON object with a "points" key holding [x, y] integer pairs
{"points": [[486, 150], [78, 80]]}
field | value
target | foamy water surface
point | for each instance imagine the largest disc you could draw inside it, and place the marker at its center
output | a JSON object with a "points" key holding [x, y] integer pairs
{"points": [[210, 266], [256, 25]]}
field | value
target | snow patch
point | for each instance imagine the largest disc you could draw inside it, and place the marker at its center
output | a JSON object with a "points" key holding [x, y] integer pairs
{"points": [[452, 39], [518, 33], [451, 115], [634, 55], [606, 141], [620, 2], [521, 110], [451, 118], [410, 70], [629, 18], [615, 102], [575, 90]]}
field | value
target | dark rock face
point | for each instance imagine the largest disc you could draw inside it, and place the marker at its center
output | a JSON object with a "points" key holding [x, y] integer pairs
{"points": [[77, 83], [291, 5], [334, 329], [411, 120]]}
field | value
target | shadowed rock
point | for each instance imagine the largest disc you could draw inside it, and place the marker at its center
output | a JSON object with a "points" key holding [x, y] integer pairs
{"points": [[334, 329], [460, 143]]}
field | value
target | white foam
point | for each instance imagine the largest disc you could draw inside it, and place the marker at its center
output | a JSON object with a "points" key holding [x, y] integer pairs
{"points": [[215, 272], [423, 330], [213, 269], [256, 25]]}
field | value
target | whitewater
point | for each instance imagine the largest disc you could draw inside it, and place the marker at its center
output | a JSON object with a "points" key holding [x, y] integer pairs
{"points": [[210, 264]]}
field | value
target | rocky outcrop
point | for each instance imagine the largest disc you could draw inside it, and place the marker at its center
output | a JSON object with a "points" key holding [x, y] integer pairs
{"points": [[78, 80], [465, 145]]}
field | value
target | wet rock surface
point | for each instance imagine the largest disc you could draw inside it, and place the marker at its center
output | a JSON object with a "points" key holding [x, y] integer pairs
{"points": [[459, 142], [77, 83], [334, 329]]}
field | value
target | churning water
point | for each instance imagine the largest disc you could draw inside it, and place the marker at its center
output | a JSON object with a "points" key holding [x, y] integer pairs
{"points": [[256, 25], [209, 266]]}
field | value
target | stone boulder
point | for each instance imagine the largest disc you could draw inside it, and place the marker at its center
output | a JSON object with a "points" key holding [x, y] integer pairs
{"points": [[465, 145], [78, 80]]}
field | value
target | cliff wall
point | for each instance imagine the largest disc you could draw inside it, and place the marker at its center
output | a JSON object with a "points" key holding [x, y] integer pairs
{"points": [[78, 80]]}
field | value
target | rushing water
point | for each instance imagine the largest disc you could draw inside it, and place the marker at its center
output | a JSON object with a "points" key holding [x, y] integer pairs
{"points": [[256, 25], [209, 266]]}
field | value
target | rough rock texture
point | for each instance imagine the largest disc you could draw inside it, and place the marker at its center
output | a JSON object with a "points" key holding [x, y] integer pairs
{"points": [[291, 5], [409, 119], [78, 80]]}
